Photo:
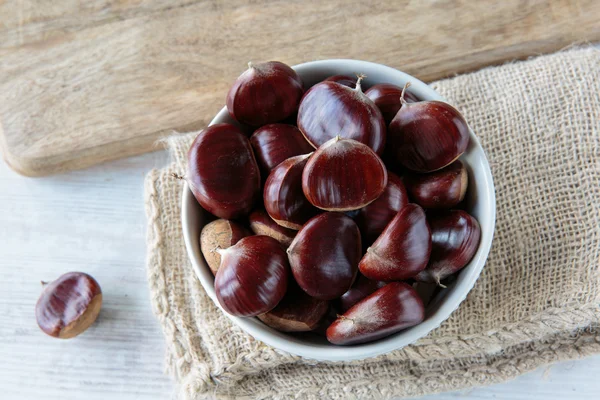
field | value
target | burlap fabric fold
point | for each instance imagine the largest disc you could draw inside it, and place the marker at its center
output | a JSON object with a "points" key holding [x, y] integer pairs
{"points": [[536, 302]]}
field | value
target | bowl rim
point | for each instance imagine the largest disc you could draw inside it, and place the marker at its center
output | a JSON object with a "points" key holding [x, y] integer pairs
{"points": [[453, 299]]}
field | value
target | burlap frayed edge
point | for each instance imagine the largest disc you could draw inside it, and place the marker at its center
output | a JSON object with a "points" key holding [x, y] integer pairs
{"points": [[469, 372], [196, 376]]}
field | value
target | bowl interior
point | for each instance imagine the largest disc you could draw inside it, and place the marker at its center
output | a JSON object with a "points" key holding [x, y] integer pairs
{"points": [[480, 200]]}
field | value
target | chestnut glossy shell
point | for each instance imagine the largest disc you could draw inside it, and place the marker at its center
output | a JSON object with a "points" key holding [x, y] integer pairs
{"points": [[373, 218], [253, 276], [262, 224], [69, 305], [403, 248], [394, 307], [455, 238], [324, 255], [329, 109], [222, 172], [427, 135], [361, 288], [296, 312], [444, 188], [387, 98], [343, 80], [343, 175], [265, 93], [275, 143], [283, 197]]}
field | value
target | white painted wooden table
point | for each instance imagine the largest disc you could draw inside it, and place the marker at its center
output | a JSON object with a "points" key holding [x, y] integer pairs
{"points": [[94, 221]]}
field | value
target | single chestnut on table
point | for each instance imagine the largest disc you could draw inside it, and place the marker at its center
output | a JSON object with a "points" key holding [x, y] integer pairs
{"points": [[296, 312], [253, 276], [275, 143], [265, 93], [403, 248], [69, 305], [444, 188], [324, 255], [283, 197], [455, 238], [222, 171], [343, 175], [219, 234], [373, 218], [387, 98], [427, 135], [394, 307], [262, 224], [329, 109]]}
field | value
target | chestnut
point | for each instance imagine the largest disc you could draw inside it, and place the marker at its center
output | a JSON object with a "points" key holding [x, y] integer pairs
{"points": [[265, 93], [394, 307], [324, 255], [343, 80], [427, 135], [222, 172], [361, 288], [444, 188], [69, 305], [455, 239], [219, 234], [373, 218], [387, 98], [296, 312], [253, 276], [262, 224], [275, 143], [283, 197], [343, 175], [329, 109], [403, 248]]}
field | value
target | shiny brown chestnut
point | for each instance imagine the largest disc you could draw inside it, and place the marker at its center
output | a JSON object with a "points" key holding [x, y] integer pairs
{"points": [[275, 143], [222, 172], [394, 307], [427, 135], [444, 188], [403, 248], [219, 234], [296, 312], [373, 218], [283, 197], [324, 255], [69, 305], [387, 98], [342, 80], [262, 224], [265, 93], [343, 175], [361, 288], [253, 276], [455, 239], [329, 109]]}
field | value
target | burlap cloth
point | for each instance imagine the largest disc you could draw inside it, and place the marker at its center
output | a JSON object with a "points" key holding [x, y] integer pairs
{"points": [[536, 302]]}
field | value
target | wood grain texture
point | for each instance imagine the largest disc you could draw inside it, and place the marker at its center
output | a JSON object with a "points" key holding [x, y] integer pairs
{"points": [[93, 221], [86, 82]]}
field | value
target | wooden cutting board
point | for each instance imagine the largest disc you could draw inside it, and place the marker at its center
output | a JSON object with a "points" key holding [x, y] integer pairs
{"points": [[86, 82]]}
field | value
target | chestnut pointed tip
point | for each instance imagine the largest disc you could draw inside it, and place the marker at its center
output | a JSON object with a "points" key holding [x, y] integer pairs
{"points": [[250, 65], [359, 79], [404, 89]]}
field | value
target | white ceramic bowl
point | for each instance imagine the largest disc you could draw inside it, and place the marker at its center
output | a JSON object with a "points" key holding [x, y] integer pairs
{"points": [[481, 202]]}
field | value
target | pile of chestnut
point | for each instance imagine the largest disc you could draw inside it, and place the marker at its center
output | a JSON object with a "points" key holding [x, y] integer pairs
{"points": [[336, 205]]}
